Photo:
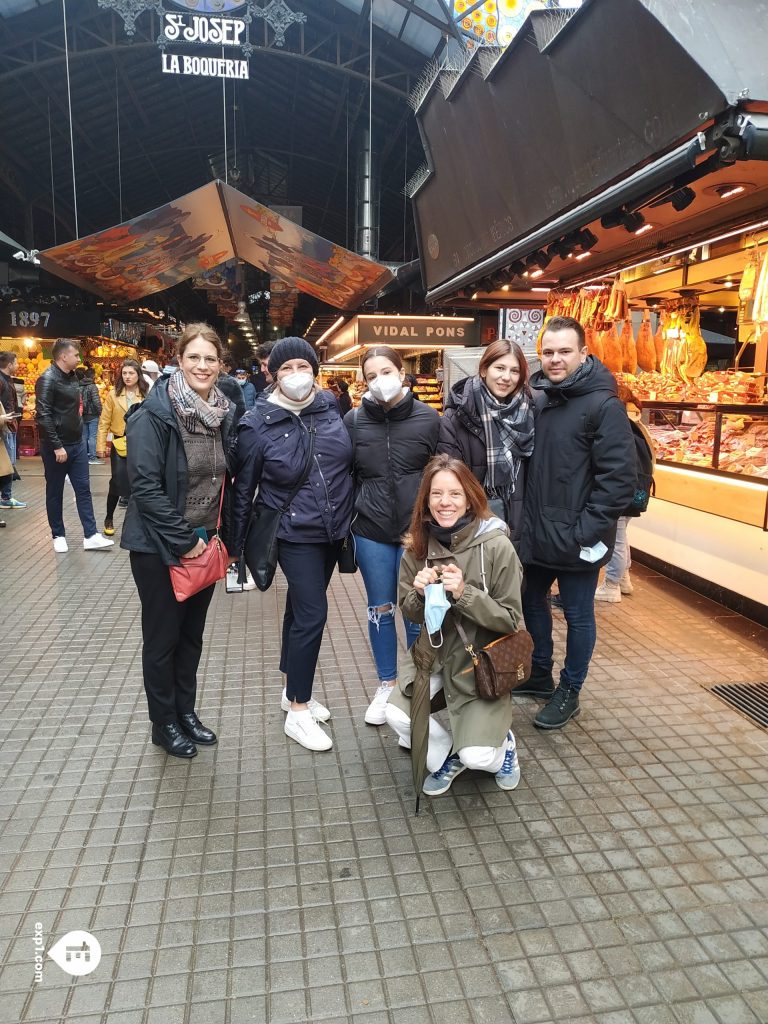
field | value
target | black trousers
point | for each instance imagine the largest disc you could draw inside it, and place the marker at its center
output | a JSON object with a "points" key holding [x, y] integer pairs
{"points": [[308, 569], [173, 639]]}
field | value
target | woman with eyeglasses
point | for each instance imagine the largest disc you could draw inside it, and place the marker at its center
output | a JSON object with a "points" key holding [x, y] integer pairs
{"points": [[178, 463]]}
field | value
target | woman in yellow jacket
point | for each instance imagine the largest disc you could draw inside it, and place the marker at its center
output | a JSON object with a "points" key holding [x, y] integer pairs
{"points": [[129, 389]]}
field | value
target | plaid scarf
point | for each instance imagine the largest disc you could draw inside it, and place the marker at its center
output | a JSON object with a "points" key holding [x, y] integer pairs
{"points": [[197, 415], [508, 436]]}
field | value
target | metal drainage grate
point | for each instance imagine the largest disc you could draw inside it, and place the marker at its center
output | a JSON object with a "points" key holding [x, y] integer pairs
{"points": [[749, 698]]}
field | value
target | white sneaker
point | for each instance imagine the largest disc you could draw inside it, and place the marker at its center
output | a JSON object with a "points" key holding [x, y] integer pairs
{"points": [[249, 581], [376, 714], [60, 545], [320, 712], [96, 542], [625, 584], [608, 591], [302, 727]]}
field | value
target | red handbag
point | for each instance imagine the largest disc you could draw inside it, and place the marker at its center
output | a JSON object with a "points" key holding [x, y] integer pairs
{"points": [[195, 574]]}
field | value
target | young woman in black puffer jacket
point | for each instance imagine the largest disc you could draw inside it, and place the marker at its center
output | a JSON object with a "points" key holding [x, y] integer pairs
{"points": [[393, 438], [488, 425]]}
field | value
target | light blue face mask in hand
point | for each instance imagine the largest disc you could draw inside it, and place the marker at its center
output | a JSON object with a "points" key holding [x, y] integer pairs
{"points": [[436, 604]]}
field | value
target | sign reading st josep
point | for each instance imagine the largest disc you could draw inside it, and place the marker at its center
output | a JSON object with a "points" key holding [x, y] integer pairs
{"points": [[202, 24]]}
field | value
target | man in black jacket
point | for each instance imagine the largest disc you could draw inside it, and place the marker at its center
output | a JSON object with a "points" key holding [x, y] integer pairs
{"points": [[58, 412], [581, 478]]}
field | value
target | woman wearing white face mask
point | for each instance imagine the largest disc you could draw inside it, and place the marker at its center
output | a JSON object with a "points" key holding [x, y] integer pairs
{"points": [[292, 430], [394, 437]]}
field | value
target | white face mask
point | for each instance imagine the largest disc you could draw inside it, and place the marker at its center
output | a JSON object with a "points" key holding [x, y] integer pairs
{"points": [[386, 387], [297, 386]]}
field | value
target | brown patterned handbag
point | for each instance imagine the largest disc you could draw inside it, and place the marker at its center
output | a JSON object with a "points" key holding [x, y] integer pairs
{"points": [[501, 664]]}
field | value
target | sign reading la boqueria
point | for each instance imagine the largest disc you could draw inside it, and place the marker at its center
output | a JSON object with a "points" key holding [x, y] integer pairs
{"points": [[204, 23]]}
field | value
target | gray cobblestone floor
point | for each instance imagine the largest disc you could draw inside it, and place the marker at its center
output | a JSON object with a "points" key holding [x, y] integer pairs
{"points": [[624, 882]]}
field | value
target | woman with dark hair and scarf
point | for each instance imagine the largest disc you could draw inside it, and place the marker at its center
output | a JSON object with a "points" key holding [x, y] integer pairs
{"points": [[488, 425], [178, 463]]}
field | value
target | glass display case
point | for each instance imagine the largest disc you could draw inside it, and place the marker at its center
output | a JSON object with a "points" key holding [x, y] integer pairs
{"points": [[712, 457], [728, 438]]}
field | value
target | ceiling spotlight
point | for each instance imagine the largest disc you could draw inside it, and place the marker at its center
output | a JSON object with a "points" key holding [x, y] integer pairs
{"points": [[586, 239], [505, 287], [474, 295], [535, 273], [614, 218], [682, 199], [537, 260], [721, 309], [633, 222], [583, 256], [728, 284]]}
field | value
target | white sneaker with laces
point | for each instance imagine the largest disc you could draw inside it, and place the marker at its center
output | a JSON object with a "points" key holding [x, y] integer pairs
{"points": [[60, 545], [376, 713], [302, 727], [97, 542], [320, 712], [508, 776], [608, 591], [625, 584]]}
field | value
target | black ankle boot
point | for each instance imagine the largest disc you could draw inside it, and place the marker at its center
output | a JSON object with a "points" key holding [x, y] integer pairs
{"points": [[195, 729], [173, 740], [540, 684], [563, 706]]}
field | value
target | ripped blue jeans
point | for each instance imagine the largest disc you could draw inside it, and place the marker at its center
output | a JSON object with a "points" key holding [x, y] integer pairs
{"points": [[380, 563]]}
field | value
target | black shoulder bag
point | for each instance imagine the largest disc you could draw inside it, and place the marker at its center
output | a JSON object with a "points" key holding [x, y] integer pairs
{"points": [[347, 562], [260, 548]]}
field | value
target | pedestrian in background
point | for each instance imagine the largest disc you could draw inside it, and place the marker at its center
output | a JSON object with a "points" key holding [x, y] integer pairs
{"points": [[489, 425], [129, 389], [9, 399], [62, 449], [394, 436], [294, 432], [249, 391], [345, 402], [178, 445], [91, 412], [150, 372]]}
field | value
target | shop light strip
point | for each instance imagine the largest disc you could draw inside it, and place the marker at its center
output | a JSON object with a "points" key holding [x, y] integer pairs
{"points": [[675, 252], [346, 352], [330, 330], [755, 485]]}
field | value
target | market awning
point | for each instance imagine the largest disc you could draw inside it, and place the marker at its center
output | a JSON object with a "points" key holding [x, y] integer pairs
{"points": [[202, 230], [578, 118]]}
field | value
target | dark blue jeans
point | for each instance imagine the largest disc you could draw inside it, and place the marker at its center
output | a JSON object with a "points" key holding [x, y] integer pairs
{"points": [[308, 569], [76, 468], [577, 592]]}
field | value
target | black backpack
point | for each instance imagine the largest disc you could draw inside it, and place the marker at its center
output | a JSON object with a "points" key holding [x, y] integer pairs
{"points": [[89, 406], [645, 462]]}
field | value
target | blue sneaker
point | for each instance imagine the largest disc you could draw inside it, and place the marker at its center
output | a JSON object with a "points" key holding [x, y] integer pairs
{"points": [[508, 776], [12, 503], [440, 782]]}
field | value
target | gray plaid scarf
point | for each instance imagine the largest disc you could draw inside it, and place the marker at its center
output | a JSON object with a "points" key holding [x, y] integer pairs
{"points": [[508, 436], [197, 415]]}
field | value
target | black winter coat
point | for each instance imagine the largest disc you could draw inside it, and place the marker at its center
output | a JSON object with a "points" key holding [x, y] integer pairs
{"points": [[462, 435], [271, 452], [581, 476], [57, 407], [391, 449], [157, 471]]}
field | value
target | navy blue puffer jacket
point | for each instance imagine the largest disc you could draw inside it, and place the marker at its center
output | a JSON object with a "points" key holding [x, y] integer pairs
{"points": [[270, 454]]}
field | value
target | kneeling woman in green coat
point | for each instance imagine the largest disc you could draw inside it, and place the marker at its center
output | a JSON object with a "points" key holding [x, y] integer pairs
{"points": [[455, 539]]}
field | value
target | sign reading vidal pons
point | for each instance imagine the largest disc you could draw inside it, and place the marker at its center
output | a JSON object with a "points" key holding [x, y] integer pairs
{"points": [[209, 67]]}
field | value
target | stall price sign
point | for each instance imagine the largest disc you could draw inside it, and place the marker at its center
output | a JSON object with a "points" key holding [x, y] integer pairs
{"points": [[22, 321]]}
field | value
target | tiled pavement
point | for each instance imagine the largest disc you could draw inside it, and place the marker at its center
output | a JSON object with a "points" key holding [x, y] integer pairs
{"points": [[624, 882]]}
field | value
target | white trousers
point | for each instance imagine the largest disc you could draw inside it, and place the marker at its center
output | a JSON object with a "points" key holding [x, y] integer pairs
{"points": [[484, 759]]}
